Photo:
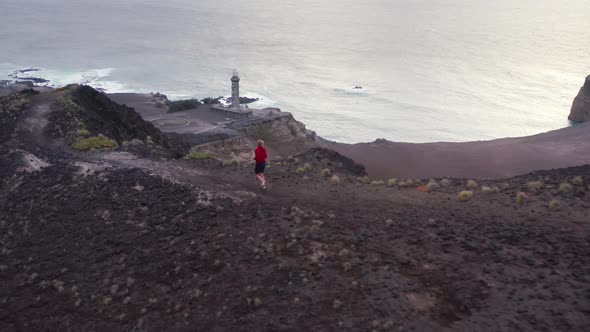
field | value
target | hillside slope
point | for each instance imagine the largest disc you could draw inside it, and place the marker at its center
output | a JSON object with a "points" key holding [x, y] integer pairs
{"points": [[124, 239]]}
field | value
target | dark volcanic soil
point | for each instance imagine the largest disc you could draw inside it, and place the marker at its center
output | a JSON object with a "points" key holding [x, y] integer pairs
{"points": [[101, 241]]}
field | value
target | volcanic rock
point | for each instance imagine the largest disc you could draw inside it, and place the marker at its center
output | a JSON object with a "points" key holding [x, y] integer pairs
{"points": [[580, 111]]}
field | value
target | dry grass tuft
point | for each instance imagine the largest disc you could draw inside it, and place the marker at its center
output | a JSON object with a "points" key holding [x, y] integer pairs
{"points": [[432, 185], [490, 190], [325, 172], [566, 188], [521, 198], [392, 182], [472, 184], [465, 195], [335, 179], [577, 181], [554, 205], [445, 183], [377, 183], [307, 167], [535, 186]]}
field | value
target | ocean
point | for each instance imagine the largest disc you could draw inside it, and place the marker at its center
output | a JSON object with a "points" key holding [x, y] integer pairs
{"points": [[430, 70]]}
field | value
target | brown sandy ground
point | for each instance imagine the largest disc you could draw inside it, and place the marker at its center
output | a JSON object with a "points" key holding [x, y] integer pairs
{"points": [[122, 240], [494, 159]]}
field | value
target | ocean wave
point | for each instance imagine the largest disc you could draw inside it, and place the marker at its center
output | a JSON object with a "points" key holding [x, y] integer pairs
{"points": [[99, 78]]}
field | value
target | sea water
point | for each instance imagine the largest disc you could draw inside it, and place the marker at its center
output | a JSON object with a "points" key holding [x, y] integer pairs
{"points": [[430, 70]]}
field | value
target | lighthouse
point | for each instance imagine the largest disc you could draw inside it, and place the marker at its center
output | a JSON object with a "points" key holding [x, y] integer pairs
{"points": [[234, 110], [235, 90]]}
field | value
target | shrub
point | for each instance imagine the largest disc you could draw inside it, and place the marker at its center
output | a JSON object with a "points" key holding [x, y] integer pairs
{"points": [[490, 190], [445, 183], [465, 195], [377, 183], [578, 181], [554, 205], [392, 182], [307, 167], [183, 105], [365, 179], [300, 170], [521, 198], [334, 179], [534, 186], [96, 142], [472, 184], [210, 100], [404, 184], [83, 133], [566, 188], [199, 156], [432, 185], [325, 172]]}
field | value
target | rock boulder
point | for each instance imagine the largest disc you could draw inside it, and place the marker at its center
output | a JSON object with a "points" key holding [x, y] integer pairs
{"points": [[580, 111]]}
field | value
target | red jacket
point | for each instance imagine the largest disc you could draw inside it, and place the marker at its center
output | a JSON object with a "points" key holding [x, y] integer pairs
{"points": [[260, 155]]}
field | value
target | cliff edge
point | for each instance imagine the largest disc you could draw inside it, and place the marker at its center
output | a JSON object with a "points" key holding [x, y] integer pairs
{"points": [[580, 111]]}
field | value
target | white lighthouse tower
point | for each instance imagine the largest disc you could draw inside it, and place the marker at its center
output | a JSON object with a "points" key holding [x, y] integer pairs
{"points": [[235, 90], [234, 110]]}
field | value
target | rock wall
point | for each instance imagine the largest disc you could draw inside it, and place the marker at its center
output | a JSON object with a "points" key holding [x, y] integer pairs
{"points": [[283, 135], [580, 111]]}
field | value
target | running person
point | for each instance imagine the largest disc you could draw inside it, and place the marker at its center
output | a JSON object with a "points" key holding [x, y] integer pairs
{"points": [[260, 158]]}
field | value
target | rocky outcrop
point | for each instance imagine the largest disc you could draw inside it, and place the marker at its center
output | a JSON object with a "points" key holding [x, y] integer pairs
{"points": [[84, 108], [580, 111]]}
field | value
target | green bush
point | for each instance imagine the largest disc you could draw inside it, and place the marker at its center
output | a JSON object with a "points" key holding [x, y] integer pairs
{"points": [[83, 132], [96, 142], [199, 156], [183, 105]]}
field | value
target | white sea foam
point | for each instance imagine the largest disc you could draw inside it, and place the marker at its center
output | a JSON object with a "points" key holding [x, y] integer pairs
{"points": [[99, 78]]}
